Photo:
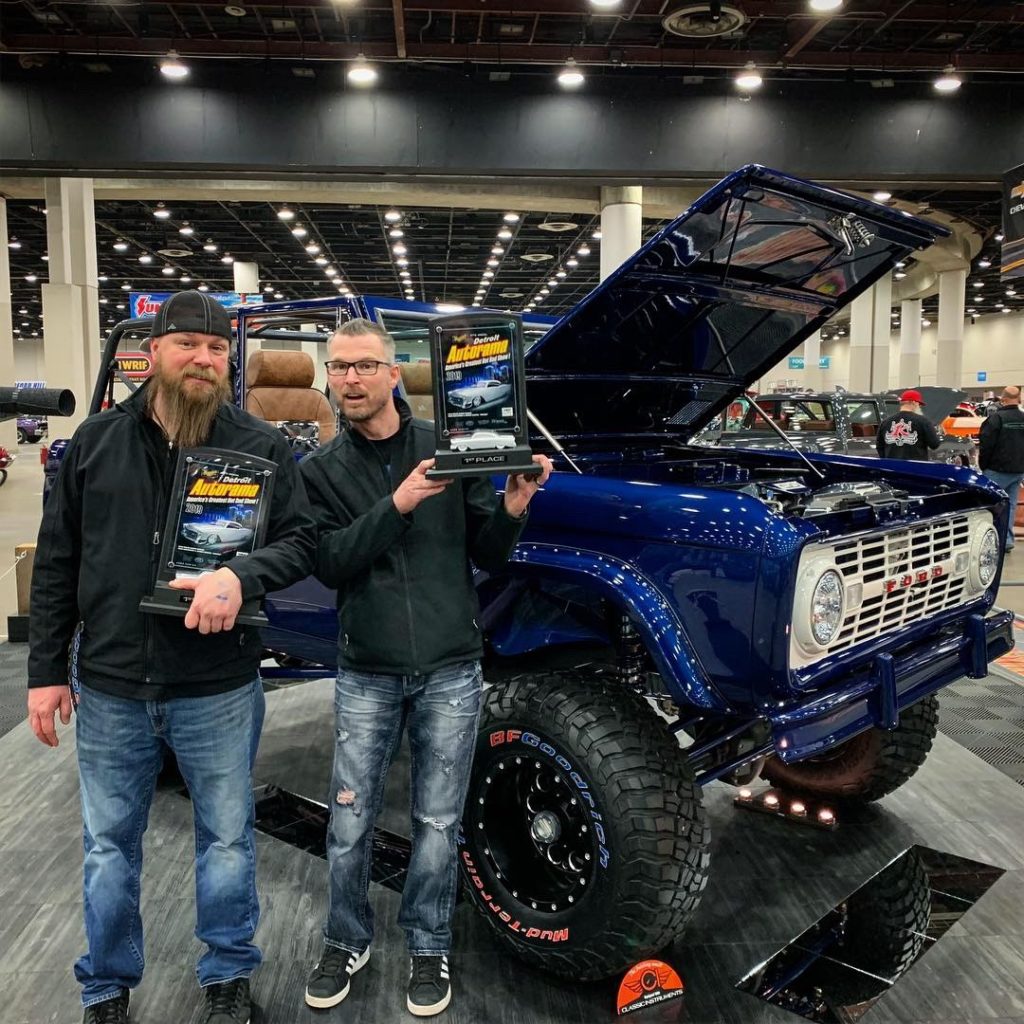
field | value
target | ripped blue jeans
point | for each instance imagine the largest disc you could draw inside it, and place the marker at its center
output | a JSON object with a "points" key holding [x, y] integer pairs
{"points": [[370, 711]]}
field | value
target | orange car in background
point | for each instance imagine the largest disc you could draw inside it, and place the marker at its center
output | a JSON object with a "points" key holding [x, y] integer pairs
{"points": [[963, 421]]}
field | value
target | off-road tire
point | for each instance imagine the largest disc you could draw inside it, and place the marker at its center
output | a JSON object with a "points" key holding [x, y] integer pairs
{"points": [[646, 824], [867, 767]]}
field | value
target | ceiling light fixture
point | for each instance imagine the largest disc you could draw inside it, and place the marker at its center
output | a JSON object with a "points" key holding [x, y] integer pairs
{"points": [[604, 4], [398, 249], [31, 278], [209, 246], [560, 274], [13, 244], [227, 258], [126, 287], [321, 261], [161, 212], [172, 67], [204, 287], [824, 6], [285, 214], [145, 258], [185, 279], [984, 264], [121, 246], [948, 81], [396, 233], [882, 197], [313, 249], [510, 218], [583, 250], [392, 216], [168, 270], [186, 229], [361, 72], [570, 77], [504, 234], [492, 263], [749, 78], [299, 231], [498, 251]]}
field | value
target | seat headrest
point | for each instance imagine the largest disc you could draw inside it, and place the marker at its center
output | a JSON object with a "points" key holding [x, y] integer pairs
{"points": [[269, 369], [417, 378]]}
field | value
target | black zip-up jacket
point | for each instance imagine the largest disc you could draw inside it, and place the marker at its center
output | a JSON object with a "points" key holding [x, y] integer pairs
{"points": [[1001, 440], [906, 435], [99, 544], [406, 600]]}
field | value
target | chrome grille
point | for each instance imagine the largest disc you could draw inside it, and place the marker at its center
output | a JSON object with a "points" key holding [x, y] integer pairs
{"points": [[895, 578]]}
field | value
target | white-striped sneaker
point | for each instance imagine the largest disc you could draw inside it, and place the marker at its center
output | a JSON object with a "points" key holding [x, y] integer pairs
{"points": [[331, 978], [430, 991]]}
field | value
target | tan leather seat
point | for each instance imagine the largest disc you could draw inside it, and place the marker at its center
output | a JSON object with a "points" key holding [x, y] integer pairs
{"points": [[419, 389], [279, 387]]}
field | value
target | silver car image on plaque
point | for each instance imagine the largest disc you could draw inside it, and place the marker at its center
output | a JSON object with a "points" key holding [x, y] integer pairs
{"points": [[479, 395], [218, 513]]}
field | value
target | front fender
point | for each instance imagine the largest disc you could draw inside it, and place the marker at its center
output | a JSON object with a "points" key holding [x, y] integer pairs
{"points": [[652, 615]]}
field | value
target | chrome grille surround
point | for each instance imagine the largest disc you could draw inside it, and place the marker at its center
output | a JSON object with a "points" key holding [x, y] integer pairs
{"points": [[892, 578]]}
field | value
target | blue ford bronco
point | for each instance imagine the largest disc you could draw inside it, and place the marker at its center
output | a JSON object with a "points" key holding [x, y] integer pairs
{"points": [[676, 614]]}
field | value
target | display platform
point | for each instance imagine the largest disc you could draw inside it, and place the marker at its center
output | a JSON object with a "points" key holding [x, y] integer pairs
{"points": [[770, 903]]}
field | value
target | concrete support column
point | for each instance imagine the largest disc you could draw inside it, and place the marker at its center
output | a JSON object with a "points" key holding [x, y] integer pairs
{"points": [[8, 430], [910, 343], [317, 351], [247, 279], [870, 327], [949, 355], [71, 319], [621, 225], [812, 353]]}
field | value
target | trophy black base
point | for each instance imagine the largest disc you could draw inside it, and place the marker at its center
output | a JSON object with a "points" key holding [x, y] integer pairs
{"points": [[509, 460], [166, 601]]}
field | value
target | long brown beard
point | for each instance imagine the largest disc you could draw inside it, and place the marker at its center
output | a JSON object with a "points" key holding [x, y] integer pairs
{"points": [[188, 413]]}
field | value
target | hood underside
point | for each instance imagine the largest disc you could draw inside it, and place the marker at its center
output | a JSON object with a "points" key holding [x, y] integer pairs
{"points": [[712, 302]]}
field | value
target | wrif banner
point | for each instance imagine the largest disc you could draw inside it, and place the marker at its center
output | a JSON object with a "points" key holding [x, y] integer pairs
{"points": [[1012, 264]]}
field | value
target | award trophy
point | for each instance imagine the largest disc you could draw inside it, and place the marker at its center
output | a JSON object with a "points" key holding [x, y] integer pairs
{"points": [[220, 503], [479, 395]]}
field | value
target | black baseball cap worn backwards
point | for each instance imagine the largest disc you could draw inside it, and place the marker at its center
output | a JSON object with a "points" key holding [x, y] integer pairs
{"points": [[191, 311]]}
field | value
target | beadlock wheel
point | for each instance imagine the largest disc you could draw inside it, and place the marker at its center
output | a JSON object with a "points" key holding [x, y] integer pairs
{"points": [[584, 842]]}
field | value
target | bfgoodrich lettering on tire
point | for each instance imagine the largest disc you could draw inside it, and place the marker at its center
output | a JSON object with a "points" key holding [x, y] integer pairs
{"points": [[871, 765], [585, 844]]}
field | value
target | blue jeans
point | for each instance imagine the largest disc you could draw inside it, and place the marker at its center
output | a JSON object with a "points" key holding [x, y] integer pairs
{"points": [[1010, 482], [370, 711], [120, 750]]}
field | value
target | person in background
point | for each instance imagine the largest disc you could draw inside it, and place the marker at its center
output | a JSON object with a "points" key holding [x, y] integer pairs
{"points": [[1001, 450], [151, 683], [907, 434], [398, 547]]}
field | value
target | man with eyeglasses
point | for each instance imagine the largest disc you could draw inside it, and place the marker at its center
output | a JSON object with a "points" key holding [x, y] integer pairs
{"points": [[151, 683], [397, 545]]}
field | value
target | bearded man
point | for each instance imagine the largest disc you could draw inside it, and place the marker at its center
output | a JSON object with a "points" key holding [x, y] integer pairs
{"points": [[151, 683]]}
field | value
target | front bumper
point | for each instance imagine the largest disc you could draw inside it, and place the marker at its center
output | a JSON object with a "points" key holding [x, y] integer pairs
{"points": [[875, 695]]}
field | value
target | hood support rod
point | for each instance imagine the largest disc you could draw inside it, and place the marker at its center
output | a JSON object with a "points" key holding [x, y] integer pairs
{"points": [[549, 437], [785, 437]]}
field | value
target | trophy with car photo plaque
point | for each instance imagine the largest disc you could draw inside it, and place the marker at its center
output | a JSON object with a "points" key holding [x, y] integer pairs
{"points": [[218, 513], [479, 395]]}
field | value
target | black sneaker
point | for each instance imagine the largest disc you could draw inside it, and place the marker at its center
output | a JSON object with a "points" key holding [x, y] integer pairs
{"points": [[110, 1011], [330, 979], [429, 988], [227, 1002]]}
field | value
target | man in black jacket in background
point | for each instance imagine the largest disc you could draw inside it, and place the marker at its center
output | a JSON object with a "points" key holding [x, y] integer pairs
{"points": [[907, 434], [398, 545], [1001, 450], [153, 681]]}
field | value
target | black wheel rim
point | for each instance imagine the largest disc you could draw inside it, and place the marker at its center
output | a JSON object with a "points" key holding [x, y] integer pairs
{"points": [[534, 832]]}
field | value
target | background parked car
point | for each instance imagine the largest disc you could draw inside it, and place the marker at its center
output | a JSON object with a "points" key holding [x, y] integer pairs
{"points": [[31, 429], [834, 422]]}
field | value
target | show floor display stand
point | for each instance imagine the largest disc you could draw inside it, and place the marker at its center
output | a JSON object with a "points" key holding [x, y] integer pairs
{"points": [[772, 883]]}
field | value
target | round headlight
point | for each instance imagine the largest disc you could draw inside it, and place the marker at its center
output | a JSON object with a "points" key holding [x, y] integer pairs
{"points": [[988, 556], [827, 607]]}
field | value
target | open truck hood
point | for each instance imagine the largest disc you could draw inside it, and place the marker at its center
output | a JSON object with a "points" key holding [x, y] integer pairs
{"points": [[710, 303]]}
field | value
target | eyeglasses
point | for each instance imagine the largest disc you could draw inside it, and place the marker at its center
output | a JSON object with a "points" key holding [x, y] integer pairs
{"points": [[365, 367]]}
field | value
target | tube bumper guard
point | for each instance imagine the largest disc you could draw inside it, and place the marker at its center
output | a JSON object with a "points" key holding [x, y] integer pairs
{"points": [[875, 695]]}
